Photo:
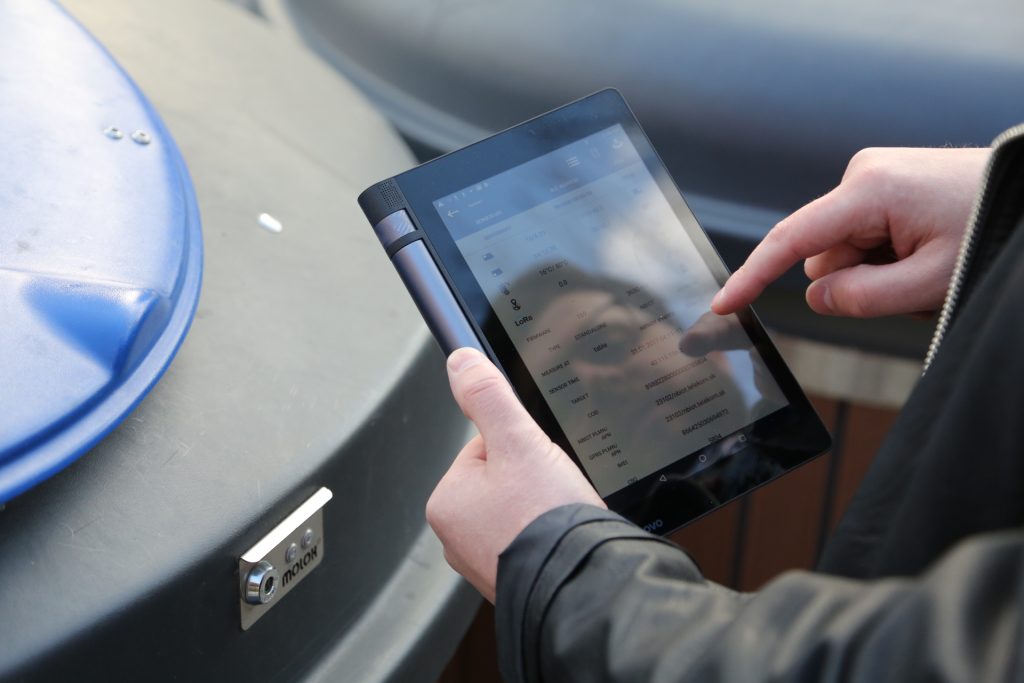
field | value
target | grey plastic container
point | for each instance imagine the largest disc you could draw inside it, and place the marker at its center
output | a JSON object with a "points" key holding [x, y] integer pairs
{"points": [[306, 366]]}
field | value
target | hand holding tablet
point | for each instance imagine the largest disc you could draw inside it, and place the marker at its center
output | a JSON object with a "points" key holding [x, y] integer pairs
{"points": [[502, 480], [562, 250]]}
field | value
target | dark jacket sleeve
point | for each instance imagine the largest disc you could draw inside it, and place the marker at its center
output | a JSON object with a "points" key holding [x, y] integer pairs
{"points": [[583, 595]]}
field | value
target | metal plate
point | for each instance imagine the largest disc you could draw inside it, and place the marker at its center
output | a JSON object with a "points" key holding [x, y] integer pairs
{"points": [[269, 570]]}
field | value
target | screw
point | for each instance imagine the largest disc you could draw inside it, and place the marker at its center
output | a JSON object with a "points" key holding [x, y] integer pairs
{"points": [[307, 539], [141, 137], [114, 133], [291, 553]]}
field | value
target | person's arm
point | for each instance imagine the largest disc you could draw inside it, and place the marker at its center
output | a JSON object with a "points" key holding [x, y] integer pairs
{"points": [[583, 595], [910, 205], [586, 596]]}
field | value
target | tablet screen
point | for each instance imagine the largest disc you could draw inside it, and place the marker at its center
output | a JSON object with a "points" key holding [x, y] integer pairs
{"points": [[607, 302]]}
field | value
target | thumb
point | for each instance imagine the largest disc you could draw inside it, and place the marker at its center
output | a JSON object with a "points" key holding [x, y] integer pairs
{"points": [[487, 399]]}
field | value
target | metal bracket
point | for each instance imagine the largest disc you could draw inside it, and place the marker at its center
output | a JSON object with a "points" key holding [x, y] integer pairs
{"points": [[282, 558]]}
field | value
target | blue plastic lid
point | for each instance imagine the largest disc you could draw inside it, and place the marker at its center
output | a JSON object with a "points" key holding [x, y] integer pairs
{"points": [[100, 244]]}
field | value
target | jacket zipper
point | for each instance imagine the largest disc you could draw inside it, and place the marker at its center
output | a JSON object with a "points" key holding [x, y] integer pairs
{"points": [[966, 249]]}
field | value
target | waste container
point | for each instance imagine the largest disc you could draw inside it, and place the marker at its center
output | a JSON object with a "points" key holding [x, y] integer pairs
{"points": [[301, 422]]}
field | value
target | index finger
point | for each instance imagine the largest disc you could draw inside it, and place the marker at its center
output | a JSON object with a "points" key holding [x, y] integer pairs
{"points": [[811, 230]]}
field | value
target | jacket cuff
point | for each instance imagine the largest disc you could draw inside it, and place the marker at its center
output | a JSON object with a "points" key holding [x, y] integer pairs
{"points": [[535, 565]]}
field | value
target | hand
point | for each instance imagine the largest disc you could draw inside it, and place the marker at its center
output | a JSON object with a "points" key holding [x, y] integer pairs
{"points": [[882, 243], [502, 480]]}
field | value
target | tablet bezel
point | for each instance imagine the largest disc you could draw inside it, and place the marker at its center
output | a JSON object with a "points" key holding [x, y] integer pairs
{"points": [[663, 500]]}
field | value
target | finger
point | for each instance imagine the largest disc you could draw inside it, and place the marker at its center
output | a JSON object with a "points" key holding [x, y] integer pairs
{"points": [[822, 224], [487, 399], [835, 258], [866, 291]]}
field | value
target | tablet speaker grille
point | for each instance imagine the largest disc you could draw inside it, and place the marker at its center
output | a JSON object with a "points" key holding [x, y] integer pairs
{"points": [[389, 193]]}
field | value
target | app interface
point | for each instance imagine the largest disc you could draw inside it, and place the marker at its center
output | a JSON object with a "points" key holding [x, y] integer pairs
{"points": [[608, 303]]}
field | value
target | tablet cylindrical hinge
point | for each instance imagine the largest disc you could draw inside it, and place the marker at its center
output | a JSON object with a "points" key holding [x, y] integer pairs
{"points": [[434, 298], [392, 227]]}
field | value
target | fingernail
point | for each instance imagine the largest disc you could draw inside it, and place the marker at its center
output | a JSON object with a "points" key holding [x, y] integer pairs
{"points": [[460, 359], [826, 298], [717, 298]]}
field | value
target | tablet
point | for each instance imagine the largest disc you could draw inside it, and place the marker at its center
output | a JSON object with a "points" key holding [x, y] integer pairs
{"points": [[563, 250]]}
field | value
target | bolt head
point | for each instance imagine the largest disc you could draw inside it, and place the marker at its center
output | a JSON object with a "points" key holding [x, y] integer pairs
{"points": [[261, 583]]}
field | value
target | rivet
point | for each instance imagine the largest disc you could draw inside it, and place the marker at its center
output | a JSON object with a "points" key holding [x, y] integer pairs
{"points": [[141, 137], [113, 132]]}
